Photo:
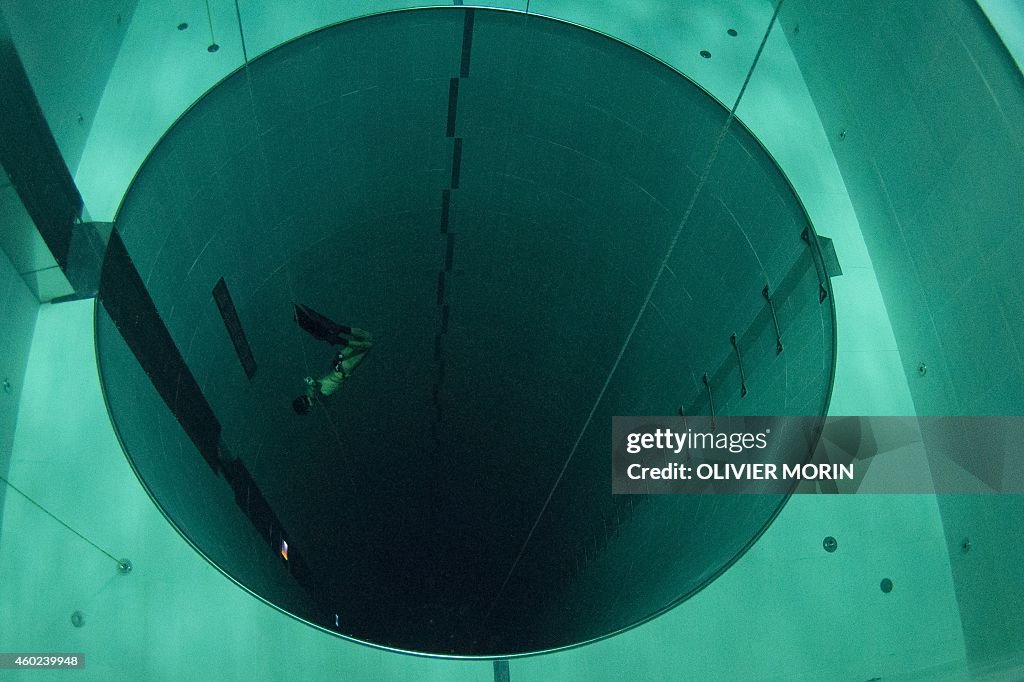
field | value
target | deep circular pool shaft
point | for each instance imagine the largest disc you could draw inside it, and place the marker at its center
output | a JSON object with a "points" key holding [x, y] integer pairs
{"points": [[492, 195]]}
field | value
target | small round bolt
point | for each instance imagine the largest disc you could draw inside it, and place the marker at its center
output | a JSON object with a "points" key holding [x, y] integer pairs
{"points": [[886, 585], [7, 385], [78, 619], [842, 134], [182, 26], [213, 47], [965, 546], [830, 544], [124, 566], [922, 369], [732, 32], [705, 54]]}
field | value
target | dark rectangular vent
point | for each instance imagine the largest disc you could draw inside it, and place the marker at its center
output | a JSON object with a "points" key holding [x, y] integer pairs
{"points": [[456, 162], [453, 103], [234, 326], [467, 43]]}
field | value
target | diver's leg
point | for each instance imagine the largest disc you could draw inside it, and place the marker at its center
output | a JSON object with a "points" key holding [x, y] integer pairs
{"points": [[354, 336], [359, 339], [349, 358], [361, 334], [359, 346]]}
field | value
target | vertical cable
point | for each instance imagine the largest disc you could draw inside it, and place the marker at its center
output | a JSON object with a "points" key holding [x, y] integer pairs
{"points": [[209, 20], [241, 32]]}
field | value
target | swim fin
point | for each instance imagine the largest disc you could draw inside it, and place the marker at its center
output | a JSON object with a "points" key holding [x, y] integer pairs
{"points": [[320, 326]]}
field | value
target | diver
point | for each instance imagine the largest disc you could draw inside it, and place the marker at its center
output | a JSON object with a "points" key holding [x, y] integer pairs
{"points": [[355, 343]]}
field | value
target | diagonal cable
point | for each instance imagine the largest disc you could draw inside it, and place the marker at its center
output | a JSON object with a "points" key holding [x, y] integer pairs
{"points": [[52, 516], [647, 299]]}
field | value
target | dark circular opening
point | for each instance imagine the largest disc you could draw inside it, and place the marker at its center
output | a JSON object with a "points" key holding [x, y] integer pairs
{"points": [[705, 54], [886, 585], [732, 32], [182, 26], [497, 217]]}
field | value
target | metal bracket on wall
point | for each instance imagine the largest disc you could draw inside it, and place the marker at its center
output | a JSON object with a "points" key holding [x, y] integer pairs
{"points": [[739, 362], [829, 258], [711, 399], [819, 265], [775, 320]]}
